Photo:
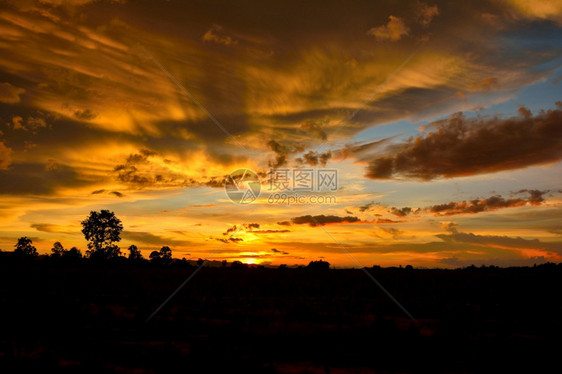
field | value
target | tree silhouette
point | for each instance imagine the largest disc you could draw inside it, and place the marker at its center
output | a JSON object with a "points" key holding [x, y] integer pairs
{"points": [[72, 253], [24, 248], [318, 265], [238, 265], [58, 250], [134, 253], [166, 254], [155, 257], [102, 229]]}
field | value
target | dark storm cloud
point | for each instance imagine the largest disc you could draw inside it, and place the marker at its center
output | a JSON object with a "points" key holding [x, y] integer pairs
{"points": [[230, 240], [58, 131], [322, 220], [461, 146], [536, 197], [38, 179], [313, 158], [385, 220], [401, 212], [367, 206], [230, 229], [129, 173], [282, 152], [488, 204], [206, 130]]}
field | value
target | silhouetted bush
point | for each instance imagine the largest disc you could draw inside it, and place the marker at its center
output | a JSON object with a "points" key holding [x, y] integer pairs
{"points": [[134, 253], [318, 265], [238, 265], [155, 258], [165, 255], [25, 249]]}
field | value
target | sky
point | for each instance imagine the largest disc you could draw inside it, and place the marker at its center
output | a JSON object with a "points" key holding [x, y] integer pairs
{"points": [[440, 123]]}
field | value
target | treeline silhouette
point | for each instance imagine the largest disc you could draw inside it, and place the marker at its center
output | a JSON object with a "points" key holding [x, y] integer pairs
{"points": [[25, 252], [73, 313], [103, 231], [78, 319]]}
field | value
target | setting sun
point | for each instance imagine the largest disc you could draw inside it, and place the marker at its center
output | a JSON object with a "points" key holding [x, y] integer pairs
{"points": [[280, 186]]}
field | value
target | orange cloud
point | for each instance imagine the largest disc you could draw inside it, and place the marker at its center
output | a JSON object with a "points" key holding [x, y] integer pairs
{"points": [[426, 13], [393, 31], [485, 84], [216, 35], [5, 156], [541, 9], [10, 94]]}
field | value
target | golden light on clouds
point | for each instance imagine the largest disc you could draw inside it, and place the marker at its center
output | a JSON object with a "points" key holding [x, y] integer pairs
{"points": [[93, 116]]}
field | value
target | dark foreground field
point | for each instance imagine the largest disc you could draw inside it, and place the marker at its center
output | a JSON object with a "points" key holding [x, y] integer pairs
{"points": [[86, 318]]}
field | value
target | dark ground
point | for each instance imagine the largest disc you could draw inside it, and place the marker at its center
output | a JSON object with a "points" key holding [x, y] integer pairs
{"points": [[86, 318]]}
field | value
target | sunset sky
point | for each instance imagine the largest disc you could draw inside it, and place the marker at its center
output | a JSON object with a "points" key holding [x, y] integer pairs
{"points": [[443, 120]]}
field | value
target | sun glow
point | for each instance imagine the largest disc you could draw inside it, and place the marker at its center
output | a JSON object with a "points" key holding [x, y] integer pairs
{"points": [[250, 261]]}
